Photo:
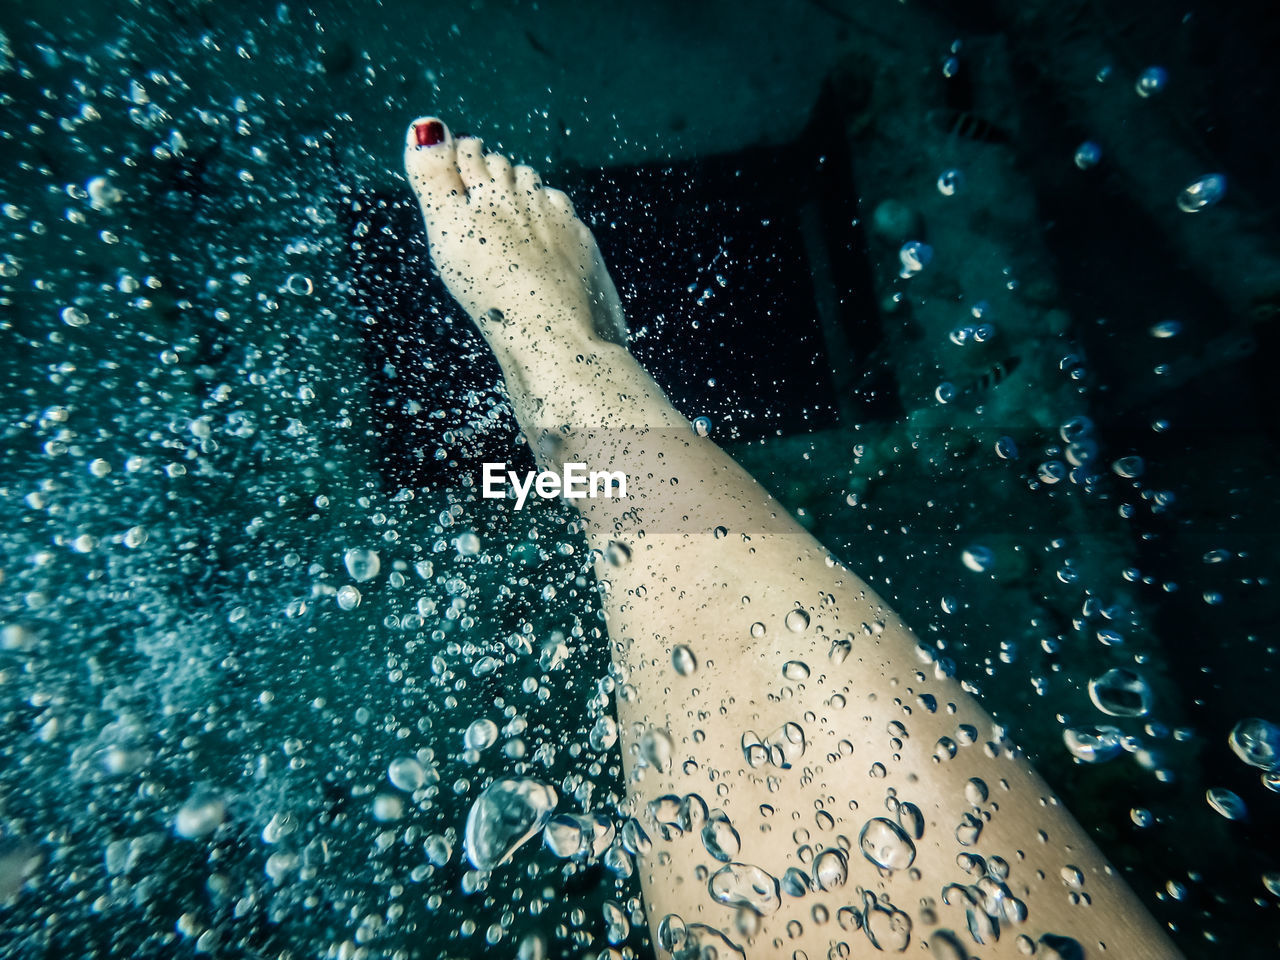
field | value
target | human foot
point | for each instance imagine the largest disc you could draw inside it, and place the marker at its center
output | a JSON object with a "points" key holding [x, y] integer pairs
{"points": [[510, 250]]}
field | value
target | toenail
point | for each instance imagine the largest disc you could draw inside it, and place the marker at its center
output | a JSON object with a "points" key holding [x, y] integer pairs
{"points": [[429, 134]]}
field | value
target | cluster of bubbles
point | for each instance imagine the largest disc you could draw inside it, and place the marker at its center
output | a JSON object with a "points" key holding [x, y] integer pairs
{"points": [[298, 704], [1202, 192], [972, 333]]}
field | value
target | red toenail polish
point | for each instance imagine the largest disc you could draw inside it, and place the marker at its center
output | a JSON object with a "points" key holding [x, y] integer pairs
{"points": [[429, 134]]}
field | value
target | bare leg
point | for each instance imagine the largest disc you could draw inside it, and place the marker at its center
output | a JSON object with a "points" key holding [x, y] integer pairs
{"points": [[810, 784]]}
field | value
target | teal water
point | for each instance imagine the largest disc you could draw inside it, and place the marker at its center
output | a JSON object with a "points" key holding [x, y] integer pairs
{"points": [[254, 678]]}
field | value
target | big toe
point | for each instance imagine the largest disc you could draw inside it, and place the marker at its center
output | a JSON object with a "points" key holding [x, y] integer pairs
{"points": [[430, 160]]}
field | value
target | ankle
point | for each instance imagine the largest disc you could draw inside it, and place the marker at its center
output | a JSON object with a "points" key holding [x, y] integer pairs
{"points": [[584, 387]]}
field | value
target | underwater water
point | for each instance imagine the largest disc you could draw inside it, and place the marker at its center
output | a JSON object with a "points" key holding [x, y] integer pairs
{"points": [[986, 297]]}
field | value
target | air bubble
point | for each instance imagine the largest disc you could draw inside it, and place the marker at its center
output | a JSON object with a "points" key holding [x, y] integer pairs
{"points": [[978, 558], [299, 285], [481, 734], [911, 819], [840, 649], [830, 869], [795, 670], [199, 816], [406, 774], [719, 837], [1130, 467], [1121, 693], [969, 830], [886, 844], [348, 597], [1087, 155], [1051, 471], [1225, 802], [1075, 429], [1202, 192], [914, 257], [1151, 81], [438, 849], [504, 816], [887, 927], [362, 564], [976, 792], [1096, 744], [797, 620], [745, 885], [1257, 743], [950, 182]]}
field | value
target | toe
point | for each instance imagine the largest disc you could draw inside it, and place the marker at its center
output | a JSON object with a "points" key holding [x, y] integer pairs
{"points": [[527, 180], [430, 160], [559, 200], [471, 165], [500, 170]]}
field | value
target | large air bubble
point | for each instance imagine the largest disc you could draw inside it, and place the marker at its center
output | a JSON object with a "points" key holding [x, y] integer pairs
{"points": [[503, 817]]}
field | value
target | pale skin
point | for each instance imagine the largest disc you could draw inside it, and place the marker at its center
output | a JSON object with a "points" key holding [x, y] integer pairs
{"points": [[801, 734]]}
